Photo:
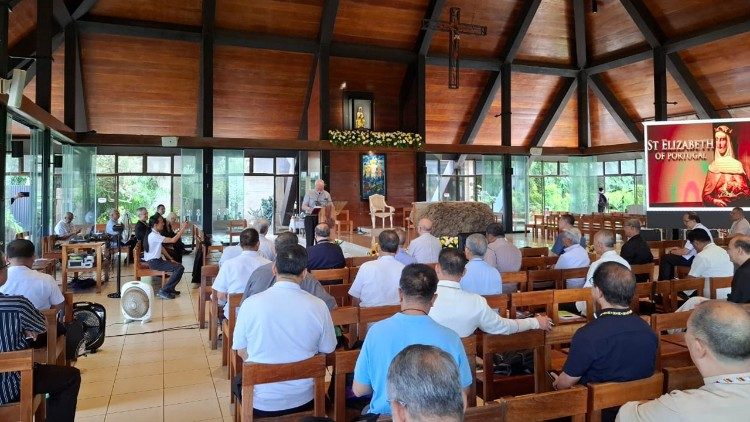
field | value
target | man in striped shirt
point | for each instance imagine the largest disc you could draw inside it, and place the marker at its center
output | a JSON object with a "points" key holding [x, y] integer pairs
{"points": [[19, 321]]}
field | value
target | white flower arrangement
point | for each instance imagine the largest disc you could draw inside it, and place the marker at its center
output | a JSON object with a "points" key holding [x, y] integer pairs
{"points": [[353, 138]]}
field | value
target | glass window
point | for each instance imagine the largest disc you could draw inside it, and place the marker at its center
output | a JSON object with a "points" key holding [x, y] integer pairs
{"points": [[550, 168], [620, 192], [467, 168], [158, 164], [639, 166], [627, 167], [600, 169], [11, 164], [285, 165], [263, 165], [247, 165], [177, 168], [105, 164], [432, 166], [536, 195], [611, 167], [535, 169], [564, 169], [130, 164], [106, 188]]}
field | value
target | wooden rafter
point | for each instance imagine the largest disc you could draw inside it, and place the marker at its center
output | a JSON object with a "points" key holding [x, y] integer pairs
{"points": [[579, 30], [205, 126], [615, 108], [556, 108]]}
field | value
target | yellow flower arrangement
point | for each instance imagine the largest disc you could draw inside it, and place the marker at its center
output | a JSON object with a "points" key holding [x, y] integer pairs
{"points": [[374, 249], [449, 241], [353, 138]]}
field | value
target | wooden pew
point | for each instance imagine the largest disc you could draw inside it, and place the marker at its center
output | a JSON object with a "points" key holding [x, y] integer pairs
{"points": [[29, 406], [263, 373], [683, 378], [547, 406], [613, 394], [490, 386]]}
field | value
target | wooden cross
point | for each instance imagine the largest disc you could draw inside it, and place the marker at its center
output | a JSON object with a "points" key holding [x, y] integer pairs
{"points": [[455, 28]]}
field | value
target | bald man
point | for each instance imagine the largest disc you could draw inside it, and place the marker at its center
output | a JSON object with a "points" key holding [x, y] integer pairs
{"points": [[317, 197], [425, 248]]}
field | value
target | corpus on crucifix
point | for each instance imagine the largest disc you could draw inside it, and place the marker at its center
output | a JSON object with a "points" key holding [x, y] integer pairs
{"points": [[454, 28]]}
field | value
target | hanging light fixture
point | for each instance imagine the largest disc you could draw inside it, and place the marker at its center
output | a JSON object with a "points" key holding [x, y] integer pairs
{"points": [[593, 6]]}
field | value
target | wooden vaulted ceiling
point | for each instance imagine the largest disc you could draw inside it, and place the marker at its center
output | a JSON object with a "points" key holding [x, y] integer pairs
{"points": [[149, 85]]}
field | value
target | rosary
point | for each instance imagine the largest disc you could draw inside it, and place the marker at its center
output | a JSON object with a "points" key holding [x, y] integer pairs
{"points": [[617, 313]]}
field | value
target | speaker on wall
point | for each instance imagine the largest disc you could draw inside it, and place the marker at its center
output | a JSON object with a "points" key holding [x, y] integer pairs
{"points": [[16, 149]]}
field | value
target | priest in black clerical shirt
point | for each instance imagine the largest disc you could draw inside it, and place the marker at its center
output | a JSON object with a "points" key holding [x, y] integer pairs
{"points": [[739, 252], [635, 250]]}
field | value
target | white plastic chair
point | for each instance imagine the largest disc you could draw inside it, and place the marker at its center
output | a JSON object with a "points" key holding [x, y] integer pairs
{"points": [[379, 209]]}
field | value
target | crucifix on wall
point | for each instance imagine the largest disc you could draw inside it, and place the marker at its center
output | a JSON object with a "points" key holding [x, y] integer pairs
{"points": [[454, 28]]}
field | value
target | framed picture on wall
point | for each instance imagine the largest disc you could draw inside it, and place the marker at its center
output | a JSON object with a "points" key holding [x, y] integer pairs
{"points": [[371, 175], [358, 110]]}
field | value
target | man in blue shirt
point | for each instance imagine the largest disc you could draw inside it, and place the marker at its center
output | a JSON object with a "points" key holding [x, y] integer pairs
{"points": [[480, 277], [385, 339], [618, 345], [401, 255], [566, 221], [324, 254]]}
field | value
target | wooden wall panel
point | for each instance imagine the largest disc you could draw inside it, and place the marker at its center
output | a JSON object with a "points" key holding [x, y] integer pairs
{"points": [[565, 131], [611, 30], [681, 17], [185, 12], [550, 35], [21, 21], [740, 112], [344, 183], [633, 85], [721, 69], [498, 16], [604, 129], [382, 79], [389, 23], [489, 132], [259, 93], [58, 85], [531, 96], [140, 85], [295, 18], [313, 109], [448, 110]]}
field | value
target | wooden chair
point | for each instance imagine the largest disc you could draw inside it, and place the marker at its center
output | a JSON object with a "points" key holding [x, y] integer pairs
{"points": [[54, 352], [332, 276], [490, 412], [208, 274], [234, 300], [519, 278], [684, 378], [613, 394], [340, 293], [547, 406], [554, 356], [681, 271], [29, 406], [343, 362], [470, 345], [716, 283], [533, 263], [499, 302], [141, 269], [671, 349], [356, 261], [679, 285], [264, 373], [540, 251], [353, 274], [48, 249], [543, 279], [571, 273], [533, 300], [571, 296], [343, 220], [662, 291], [235, 227], [645, 289], [346, 317], [374, 314], [209, 251], [537, 227], [550, 261], [643, 269], [490, 386]]}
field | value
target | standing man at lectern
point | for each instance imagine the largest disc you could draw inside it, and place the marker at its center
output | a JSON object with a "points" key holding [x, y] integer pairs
{"points": [[317, 197]]}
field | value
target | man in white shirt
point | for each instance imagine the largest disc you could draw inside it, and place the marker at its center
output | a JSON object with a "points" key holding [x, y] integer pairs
{"points": [[501, 253], [265, 247], [718, 338], [64, 228], [480, 277], [711, 260], [682, 256], [376, 283], [229, 252], [463, 311], [604, 245], [232, 277], [574, 256], [154, 256], [39, 288], [426, 247], [283, 324], [740, 225]]}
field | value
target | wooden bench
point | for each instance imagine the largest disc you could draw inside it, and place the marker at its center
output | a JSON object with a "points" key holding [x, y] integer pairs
{"points": [[551, 405], [264, 373], [29, 406], [613, 394]]}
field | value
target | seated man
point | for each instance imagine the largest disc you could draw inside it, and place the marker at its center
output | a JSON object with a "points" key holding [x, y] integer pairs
{"points": [[263, 277], [501, 254], [565, 222], [402, 256], [575, 256], [376, 283], [232, 276], [266, 247], [440, 400], [710, 261], [635, 250], [154, 255], [117, 239], [141, 226], [480, 277], [426, 247], [604, 245], [386, 338], [464, 312], [718, 338], [229, 252], [739, 252], [740, 225], [177, 249], [306, 325], [64, 228], [21, 320], [39, 288], [324, 254], [616, 346], [681, 256]]}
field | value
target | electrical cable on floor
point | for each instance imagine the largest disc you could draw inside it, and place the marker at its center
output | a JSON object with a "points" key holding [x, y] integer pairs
{"points": [[182, 327]]}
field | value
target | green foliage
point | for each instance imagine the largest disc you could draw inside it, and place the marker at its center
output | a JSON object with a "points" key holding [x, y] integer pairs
{"points": [[265, 210]]}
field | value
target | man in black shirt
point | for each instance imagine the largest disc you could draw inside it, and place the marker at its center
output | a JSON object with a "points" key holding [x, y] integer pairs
{"points": [[739, 252], [141, 227], [324, 254], [19, 319], [635, 250]]}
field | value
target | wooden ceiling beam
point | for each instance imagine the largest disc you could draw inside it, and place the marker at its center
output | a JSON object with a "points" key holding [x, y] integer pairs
{"points": [[556, 108], [579, 33], [83, 8], [581, 52], [519, 33], [61, 14], [434, 10], [615, 108], [205, 123], [629, 57], [144, 29], [715, 33]]}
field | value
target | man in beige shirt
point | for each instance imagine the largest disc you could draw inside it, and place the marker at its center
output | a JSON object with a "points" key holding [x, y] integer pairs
{"points": [[718, 338]]}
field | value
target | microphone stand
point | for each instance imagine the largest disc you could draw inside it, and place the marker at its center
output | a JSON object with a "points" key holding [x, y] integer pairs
{"points": [[118, 229]]}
